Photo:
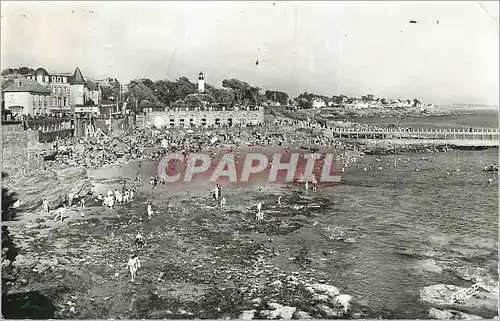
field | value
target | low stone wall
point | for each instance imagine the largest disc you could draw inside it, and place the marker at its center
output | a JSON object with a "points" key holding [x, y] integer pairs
{"points": [[46, 137], [20, 153], [21, 149], [12, 126]]}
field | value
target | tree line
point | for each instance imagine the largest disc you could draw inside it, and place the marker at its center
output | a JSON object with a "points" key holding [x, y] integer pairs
{"points": [[167, 93]]}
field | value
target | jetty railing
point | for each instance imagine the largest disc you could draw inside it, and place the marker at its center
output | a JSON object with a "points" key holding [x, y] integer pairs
{"points": [[406, 133]]}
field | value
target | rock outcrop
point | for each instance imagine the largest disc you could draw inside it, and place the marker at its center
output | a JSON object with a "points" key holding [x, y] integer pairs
{"points": [[451, 315], [441, 294], [52, 185]]}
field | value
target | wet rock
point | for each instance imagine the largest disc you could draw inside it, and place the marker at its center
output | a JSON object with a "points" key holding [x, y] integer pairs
{"points": [[52, 185], [438, 293], [278, 311], [22, 281], [326, 289], [320, 297], [301, 315], [342, 300], [256, 301], [329, 312], [277, 283], [479, 275], [451, 314], [159, 314], [441, 294], [63, 260], [247, 315]]}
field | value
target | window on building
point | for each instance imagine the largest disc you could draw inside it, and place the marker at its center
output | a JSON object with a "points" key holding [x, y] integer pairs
{"points": [[39, 78], [46, 78], [65, 80], [53, 78], [64, 101], [58, 79]]}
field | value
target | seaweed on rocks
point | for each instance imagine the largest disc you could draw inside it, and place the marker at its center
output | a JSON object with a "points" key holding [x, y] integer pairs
{"points": [[301, 258], [222, 303]]}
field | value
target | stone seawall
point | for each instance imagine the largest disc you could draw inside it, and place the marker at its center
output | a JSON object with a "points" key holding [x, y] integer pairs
{"points": [[20, 153]]}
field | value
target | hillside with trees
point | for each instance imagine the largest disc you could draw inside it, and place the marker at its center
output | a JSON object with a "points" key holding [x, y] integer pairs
{"points": [[181, 92]]}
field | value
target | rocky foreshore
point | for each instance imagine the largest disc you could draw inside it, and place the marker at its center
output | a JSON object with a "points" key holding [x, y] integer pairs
{"points": [[53, 185], [483, 302]]}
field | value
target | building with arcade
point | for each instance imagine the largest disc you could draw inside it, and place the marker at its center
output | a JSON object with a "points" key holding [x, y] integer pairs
{"points": [[207, 115]]}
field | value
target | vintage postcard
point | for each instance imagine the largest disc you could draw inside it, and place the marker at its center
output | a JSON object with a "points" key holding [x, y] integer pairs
{"points": [[249, 160]]}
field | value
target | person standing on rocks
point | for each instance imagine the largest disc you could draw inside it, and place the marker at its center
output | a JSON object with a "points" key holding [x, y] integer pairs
{"points": [[133, 265], [219, 188], [216, 192], [70, 199], [45, 206], [111, 201], [150, 210]]}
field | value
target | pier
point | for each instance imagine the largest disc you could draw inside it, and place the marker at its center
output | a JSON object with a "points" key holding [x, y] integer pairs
{"points": [[475, 137]]}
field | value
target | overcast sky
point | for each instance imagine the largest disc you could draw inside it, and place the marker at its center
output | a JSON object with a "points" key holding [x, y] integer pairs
{"points": [[449, 56]]}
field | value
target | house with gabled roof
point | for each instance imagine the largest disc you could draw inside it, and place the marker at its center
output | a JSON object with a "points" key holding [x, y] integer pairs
{"points": [[27, 97], [67, 90]]}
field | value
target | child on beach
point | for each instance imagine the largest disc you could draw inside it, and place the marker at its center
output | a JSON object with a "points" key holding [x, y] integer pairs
{"points": [[139, 239]]}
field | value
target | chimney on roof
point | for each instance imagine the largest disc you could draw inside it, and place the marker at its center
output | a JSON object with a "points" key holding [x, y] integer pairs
{"points": [[17, 82]]}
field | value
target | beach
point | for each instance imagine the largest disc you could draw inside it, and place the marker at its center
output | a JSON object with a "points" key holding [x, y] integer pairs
{"points": [[377, 239]]}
